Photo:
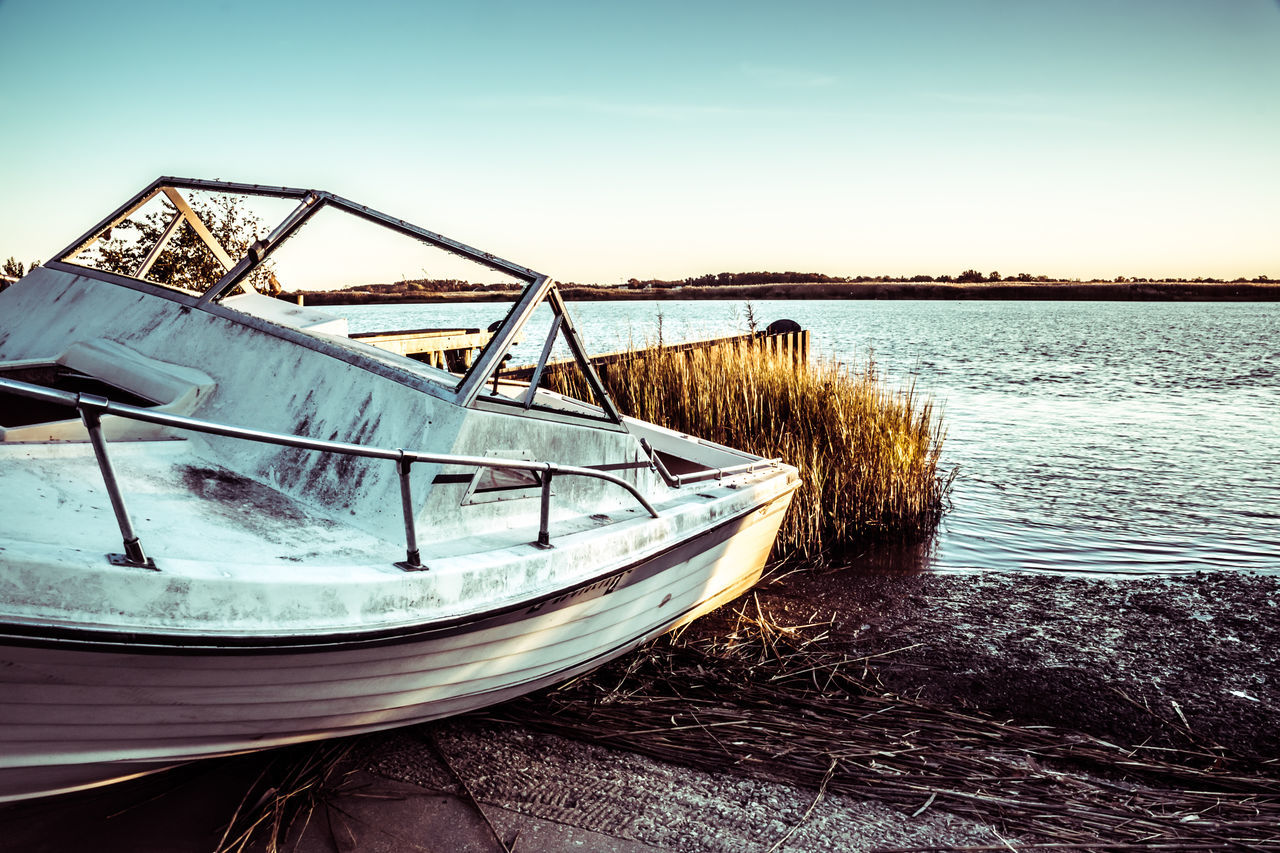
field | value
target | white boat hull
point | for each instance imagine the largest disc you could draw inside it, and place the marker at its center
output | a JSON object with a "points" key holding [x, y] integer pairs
{"points": [[74, 714]]}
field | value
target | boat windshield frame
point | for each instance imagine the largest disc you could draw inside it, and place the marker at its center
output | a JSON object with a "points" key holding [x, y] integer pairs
{"points": [[537, 287]]}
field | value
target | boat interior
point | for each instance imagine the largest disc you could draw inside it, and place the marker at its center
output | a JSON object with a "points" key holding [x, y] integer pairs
{"points": [[159, 326]]}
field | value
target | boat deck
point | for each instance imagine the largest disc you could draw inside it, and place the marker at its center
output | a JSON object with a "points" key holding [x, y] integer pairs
{"points": [[182, 508]]}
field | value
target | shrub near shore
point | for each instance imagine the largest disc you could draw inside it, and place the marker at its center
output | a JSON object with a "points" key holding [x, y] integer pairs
{"points": [[869, 457]]}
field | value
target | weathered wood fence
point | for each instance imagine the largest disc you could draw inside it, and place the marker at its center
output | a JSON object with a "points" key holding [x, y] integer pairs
{"points": [[784, 339]]}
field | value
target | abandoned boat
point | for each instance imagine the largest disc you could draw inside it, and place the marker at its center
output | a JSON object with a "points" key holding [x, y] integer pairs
{"points": [[225, 525]]}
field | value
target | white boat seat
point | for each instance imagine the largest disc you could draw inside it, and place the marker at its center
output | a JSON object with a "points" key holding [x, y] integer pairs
{"points": [[106, 366]]}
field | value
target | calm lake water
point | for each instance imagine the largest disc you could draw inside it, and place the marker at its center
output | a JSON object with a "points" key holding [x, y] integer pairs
{"points": [[1090, 436]]}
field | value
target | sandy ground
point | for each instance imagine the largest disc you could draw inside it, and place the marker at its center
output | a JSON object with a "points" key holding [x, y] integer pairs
{"points": [[1153, 661]]}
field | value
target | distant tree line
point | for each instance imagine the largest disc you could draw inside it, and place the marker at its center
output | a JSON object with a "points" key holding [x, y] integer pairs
{"points": [[432, 285], [969, 276], [231, 225], [738, 279]]}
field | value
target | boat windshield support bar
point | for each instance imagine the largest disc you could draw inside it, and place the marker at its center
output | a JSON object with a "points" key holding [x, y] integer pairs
{"points": [[92, 407], [198, 225], [308, 206], [491, 357], [144, 269], [584, 360], [542, 361]]}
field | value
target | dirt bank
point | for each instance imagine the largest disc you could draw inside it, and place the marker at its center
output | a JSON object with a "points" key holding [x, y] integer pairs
{"points": [[1169, 661], [978, 704], [980, 711]]}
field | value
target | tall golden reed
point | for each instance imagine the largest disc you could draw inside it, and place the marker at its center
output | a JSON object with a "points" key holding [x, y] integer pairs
{"points": [[868, 456]]}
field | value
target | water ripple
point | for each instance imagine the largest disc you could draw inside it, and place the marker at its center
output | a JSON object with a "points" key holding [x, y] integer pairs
{"points": [[1112, 438]]}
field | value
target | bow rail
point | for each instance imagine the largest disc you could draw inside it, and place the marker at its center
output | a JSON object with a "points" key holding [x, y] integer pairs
{"points": [[91, 408]]}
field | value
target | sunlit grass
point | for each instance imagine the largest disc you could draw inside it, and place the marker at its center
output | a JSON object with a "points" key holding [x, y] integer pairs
{"points": [[869, 456]]}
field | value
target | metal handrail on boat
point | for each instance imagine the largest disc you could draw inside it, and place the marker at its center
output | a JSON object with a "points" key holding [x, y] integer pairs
{"points": [[677, 481], [91, 408]]}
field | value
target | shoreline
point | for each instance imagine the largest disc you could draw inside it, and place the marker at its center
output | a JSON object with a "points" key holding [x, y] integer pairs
{"points": [[1055, 649], [1010, 291], [1168, 680], [1159, 666]]}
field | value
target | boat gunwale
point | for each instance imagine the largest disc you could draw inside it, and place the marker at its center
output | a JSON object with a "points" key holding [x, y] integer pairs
{"points": [[141, 642]]}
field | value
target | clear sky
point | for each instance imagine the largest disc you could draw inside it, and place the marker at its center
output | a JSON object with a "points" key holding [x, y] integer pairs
{"points": [[597, 141]]}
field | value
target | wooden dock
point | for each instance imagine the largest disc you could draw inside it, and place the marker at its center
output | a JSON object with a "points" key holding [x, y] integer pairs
{"points": [[449, 349], [455, 349], [783, 338]]}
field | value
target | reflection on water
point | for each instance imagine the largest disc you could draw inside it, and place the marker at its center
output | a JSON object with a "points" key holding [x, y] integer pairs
{"points": [[1091, 436], [893, 558]]}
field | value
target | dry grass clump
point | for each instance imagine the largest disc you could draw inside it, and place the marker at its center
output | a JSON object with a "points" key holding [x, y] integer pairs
{"points": [[868, 456], [291, 784]]}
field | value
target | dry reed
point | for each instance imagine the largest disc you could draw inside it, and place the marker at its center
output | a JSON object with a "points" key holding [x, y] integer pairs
{"points": [[786, 703], [291, 784], [869, 456]]}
